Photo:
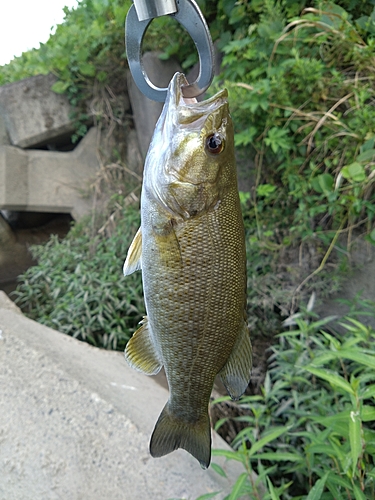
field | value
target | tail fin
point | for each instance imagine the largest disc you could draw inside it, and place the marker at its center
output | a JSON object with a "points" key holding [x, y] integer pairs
{"points": [[171, 433]]}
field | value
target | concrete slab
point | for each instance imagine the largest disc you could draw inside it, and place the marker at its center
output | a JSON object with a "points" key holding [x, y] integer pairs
{"points": [[13, 178], [4, 139], [48, 181], [145, 111], [33, 113], [75, 423]]}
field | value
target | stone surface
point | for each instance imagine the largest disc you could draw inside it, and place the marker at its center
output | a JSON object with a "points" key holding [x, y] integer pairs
{"points": [[48, 181], [145, 111], [75, 423], [33, 114]]}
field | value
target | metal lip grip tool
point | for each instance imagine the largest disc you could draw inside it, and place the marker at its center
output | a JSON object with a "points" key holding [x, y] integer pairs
{"points": [[188, 14]]}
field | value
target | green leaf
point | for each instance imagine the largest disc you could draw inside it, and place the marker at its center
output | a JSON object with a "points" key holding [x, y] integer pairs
{"points": [[354, 355], [245, 137], [220, 422], [368, 413], [332, 378], [369, 144], [338, 422], [60, 87], [323, 183], [277, 457], [271, 436], [278, 139], [354, 172], [244, 197], [102, 76], [355, 439], [357, 356], [265, 190], [324, 449], [230, 455], [207, 496], [317, 490], [273, 492], [358, 493], [369, 392], [366, 155], [87, 69], [219, 470], [236, 490]]}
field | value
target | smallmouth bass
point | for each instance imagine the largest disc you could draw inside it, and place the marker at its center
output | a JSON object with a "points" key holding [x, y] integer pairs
{"points": [[191, 249]]}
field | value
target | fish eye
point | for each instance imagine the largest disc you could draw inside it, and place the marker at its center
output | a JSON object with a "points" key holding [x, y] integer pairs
{"points": [[214, 143]]}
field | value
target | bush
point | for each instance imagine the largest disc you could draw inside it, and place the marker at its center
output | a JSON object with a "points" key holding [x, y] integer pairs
{"points": [[77, 286], [302, 98], [311, 433]]}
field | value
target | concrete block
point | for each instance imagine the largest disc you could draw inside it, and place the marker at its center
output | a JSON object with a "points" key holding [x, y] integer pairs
{"points": [[145, 111], [46, 181], [4, 139], [75, 423], [33, 113], [13, 178], [60, 179]]}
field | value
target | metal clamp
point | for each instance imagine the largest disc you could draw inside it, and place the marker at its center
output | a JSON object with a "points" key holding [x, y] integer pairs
{"points": [[191, 18]]}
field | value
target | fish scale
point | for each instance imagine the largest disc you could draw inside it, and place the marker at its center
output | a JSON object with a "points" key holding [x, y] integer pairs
{"points": [[191, 249]]}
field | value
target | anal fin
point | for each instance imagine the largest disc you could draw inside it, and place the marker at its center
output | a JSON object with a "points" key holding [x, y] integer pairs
{"points": [[140, 352], [133, 260], [236, 372]]}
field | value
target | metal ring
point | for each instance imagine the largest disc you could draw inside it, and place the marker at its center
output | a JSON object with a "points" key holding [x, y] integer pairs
{"points": [[191, 18]]}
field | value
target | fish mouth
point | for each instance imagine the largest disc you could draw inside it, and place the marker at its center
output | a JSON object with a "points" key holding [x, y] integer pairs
{"points": [[189, 109]]}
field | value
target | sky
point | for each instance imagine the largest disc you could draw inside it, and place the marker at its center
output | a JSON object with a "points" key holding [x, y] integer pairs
{"points": [[24, 24]]}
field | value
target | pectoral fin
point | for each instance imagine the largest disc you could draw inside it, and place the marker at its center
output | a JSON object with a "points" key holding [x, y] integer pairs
{"points": [[236, 373], [133, 260], [140, 351]]}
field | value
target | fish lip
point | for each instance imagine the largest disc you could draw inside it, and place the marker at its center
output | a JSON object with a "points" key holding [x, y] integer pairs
{"points": [[175, 89]]}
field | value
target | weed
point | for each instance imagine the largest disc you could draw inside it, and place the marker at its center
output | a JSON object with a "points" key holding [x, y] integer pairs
{"points": [[77, 286], [311, 433]]}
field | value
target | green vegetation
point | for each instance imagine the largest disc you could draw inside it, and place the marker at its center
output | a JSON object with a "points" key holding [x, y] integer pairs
{"points": [[302, 98], [77, 286], [311, 433]]}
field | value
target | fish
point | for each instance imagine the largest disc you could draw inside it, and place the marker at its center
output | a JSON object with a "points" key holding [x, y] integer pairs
{"points": [[191, 250]]}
